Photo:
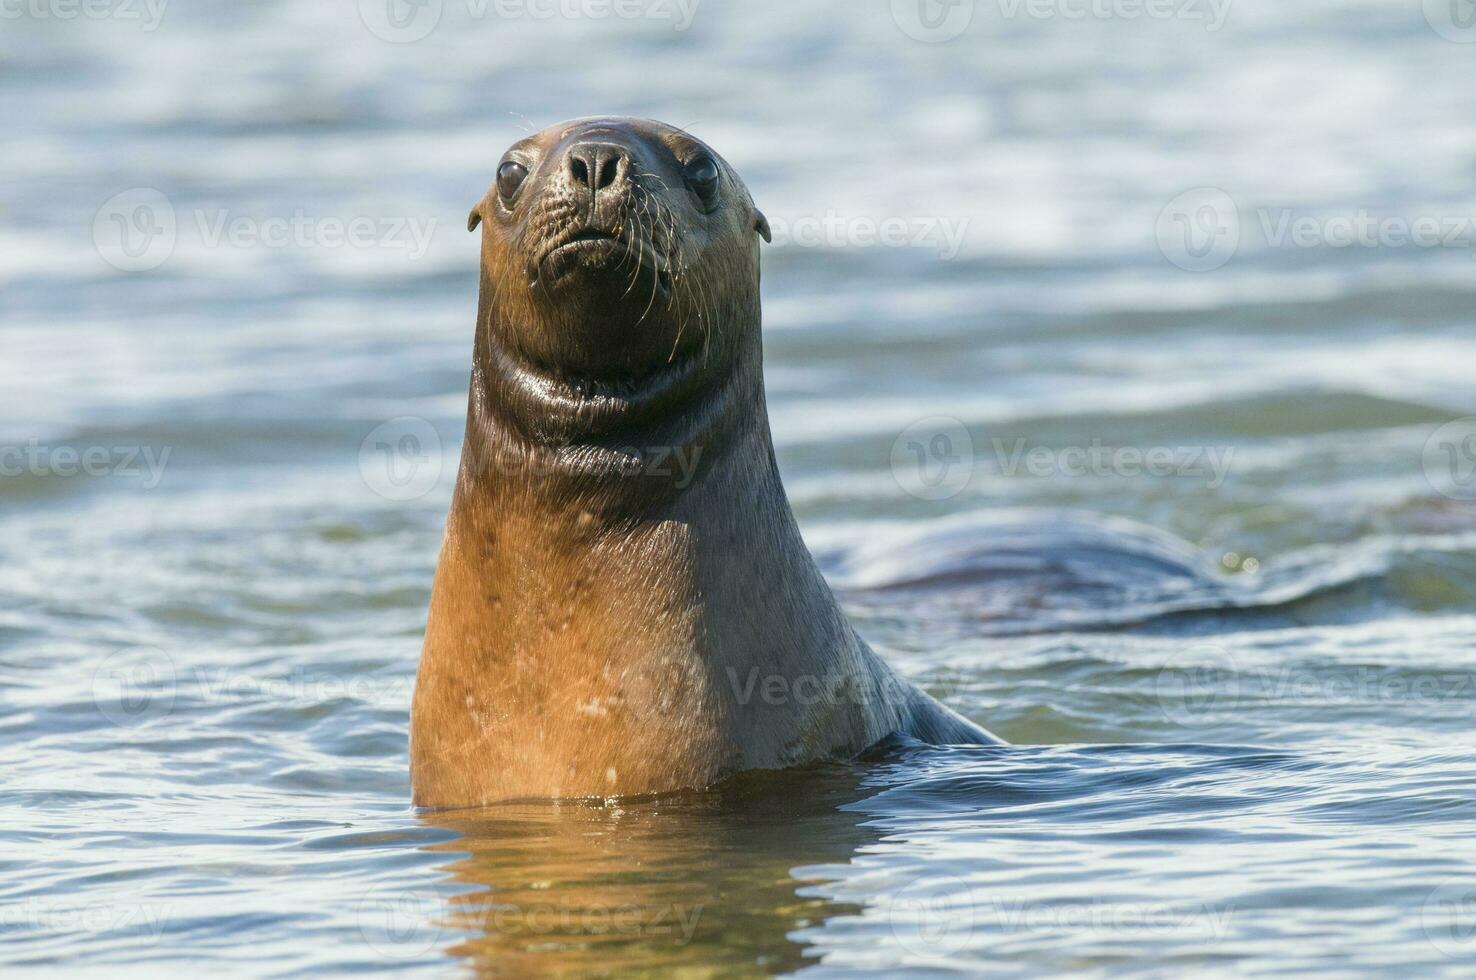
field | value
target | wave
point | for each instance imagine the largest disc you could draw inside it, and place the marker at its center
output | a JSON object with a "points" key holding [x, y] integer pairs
{"points": [[1017, 573]]}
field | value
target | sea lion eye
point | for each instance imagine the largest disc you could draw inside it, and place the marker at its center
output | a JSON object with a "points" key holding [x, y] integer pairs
{"points": [[510, 177], [702, 176]]}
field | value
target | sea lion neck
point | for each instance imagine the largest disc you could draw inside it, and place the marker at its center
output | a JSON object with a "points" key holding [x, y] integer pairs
{"points": [[615, 442]]}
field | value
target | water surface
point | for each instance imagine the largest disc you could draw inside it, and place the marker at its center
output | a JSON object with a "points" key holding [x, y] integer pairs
{"points": [[1241, 697]]}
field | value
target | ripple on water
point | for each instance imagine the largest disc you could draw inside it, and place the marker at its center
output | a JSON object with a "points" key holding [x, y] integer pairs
{"points": [[205, 680]]}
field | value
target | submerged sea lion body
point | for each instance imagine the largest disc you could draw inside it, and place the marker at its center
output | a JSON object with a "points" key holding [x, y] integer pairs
{"points": [[624, 604]]}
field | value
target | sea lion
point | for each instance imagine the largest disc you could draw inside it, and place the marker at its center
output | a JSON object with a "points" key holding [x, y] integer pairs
{"points": [[624, 604]]}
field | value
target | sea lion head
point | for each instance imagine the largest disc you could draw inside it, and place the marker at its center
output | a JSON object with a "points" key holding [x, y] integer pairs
{"points": [[619, 281]]}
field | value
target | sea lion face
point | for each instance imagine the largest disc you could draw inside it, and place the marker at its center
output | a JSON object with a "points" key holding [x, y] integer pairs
{"points": [[614, 249]]}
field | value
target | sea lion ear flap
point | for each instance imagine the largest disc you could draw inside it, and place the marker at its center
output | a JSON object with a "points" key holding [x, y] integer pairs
{"points": [[475, 218], [761, 225]]}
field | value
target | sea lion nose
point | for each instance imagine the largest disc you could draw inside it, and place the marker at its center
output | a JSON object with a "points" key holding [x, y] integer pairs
{"points": [[597, 166]]}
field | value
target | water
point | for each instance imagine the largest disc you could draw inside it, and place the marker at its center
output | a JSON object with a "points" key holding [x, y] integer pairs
{"points": [[1245, 748]]}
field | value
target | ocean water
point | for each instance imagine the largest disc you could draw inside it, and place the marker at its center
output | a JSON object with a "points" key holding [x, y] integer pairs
{"points": [[1145, 438]]}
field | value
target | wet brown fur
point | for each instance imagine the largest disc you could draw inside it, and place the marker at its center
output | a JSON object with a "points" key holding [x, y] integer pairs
{"points": [[602, 624]]}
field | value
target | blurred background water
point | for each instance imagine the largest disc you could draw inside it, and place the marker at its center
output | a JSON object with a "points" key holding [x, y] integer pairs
{"points": [[1234, 238]]}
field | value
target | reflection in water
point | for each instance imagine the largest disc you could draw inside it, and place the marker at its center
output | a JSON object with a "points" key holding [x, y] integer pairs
{"points": [[703, 879]]}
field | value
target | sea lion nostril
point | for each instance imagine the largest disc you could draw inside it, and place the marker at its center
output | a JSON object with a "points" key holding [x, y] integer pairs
{"points": [[596, 166], [607, 173]]}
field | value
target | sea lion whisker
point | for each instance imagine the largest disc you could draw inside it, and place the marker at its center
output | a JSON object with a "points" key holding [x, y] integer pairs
{"points": [[655, 287], [634, 253]]}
